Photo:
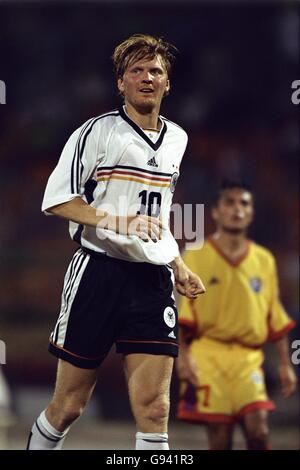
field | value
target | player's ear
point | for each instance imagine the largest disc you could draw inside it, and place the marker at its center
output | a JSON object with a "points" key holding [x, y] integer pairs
{"points": [[252, 215], [214, 214], [167, 89], [121, 85]]}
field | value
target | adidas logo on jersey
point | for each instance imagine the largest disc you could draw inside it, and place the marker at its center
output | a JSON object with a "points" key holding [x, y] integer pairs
{"points": [[214, 280], [152, 162], [171, 335]]}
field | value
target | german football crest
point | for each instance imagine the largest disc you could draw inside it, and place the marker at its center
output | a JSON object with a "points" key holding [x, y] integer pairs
{"points": [[173, 182], [169, 317], [255, 284]]}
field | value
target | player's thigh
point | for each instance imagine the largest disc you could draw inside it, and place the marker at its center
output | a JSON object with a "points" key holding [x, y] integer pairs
{"points": [[256, 422], [248, 387], [220, 435], [148, 375], [74, 382]]}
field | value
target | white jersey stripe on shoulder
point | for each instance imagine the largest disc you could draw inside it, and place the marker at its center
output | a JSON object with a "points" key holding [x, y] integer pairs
{"points": [[77, 165], [75, 158], [84, 137], [82, 143]]}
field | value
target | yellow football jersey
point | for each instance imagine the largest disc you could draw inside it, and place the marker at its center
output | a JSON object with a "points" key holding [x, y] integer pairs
{"points": [[241, 302]]}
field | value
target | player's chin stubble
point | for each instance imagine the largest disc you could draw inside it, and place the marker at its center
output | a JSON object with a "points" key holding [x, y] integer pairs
{"points": [[234, 230]]}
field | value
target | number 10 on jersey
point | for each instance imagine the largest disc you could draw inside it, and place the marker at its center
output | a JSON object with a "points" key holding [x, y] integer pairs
{"points": [[150, 203]]}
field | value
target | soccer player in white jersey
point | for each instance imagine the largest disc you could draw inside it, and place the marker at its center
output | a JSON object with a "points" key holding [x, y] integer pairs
{"points": [[114, 182]]}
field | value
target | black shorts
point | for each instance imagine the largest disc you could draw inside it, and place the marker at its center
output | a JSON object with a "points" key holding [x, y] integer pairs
{"points": [[106, 301]]}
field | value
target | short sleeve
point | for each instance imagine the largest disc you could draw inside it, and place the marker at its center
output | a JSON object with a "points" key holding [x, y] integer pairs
{"points": [[279, 321], [76, 164]]}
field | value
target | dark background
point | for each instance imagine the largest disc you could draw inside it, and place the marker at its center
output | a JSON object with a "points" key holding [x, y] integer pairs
{"points": [[231, 91]]}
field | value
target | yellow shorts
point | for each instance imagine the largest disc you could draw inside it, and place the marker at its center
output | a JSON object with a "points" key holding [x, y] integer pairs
{"points": [[231, 383]]}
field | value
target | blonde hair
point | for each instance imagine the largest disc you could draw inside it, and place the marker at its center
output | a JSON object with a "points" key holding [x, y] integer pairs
{"points": [[141, 46]]}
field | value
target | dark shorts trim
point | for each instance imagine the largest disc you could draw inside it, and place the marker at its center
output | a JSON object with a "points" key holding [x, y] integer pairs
{"points": [[74, 359], [147, 347], [256, 405], [195, 417]]}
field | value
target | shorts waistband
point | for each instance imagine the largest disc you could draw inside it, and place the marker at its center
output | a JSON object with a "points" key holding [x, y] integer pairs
{"points": [[94, 254], [104, 256]]}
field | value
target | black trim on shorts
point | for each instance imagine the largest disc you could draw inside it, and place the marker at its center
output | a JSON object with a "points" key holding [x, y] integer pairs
{"points": [[138, 347], [83, 363]]}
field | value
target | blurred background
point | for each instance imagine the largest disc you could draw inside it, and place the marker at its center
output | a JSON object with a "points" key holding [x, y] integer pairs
{"points": [[231, 91]]}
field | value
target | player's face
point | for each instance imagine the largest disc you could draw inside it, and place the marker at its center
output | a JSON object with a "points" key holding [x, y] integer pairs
{"points": [[144, 84], [234, 211]]}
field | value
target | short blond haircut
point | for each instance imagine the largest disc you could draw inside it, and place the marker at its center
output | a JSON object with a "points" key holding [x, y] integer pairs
{"points": [[142, 46]]}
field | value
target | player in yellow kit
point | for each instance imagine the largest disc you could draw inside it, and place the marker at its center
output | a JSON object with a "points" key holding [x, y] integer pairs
{"points": [[222, 333]]}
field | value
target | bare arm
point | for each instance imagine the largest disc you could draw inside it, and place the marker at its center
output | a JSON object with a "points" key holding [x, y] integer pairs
{"points": [[287, 375], [80, 212], [187, 283], [185, 364]]}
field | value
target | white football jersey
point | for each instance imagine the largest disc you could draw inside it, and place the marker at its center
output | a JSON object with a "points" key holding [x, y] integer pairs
{"points": [[116, 167]]}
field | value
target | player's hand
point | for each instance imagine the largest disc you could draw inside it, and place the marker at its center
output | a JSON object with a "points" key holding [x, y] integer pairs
{"points": [[288, 380], [186, 282], [145, 227], [186, 367]]}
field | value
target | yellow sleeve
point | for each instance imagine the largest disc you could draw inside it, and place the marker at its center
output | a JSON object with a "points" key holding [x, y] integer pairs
{"points": [[279, 321], [187, 317]]}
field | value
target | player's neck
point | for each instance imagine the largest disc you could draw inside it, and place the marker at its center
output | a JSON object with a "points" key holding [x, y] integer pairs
{"points": [[233, 245], [147, 120]]}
